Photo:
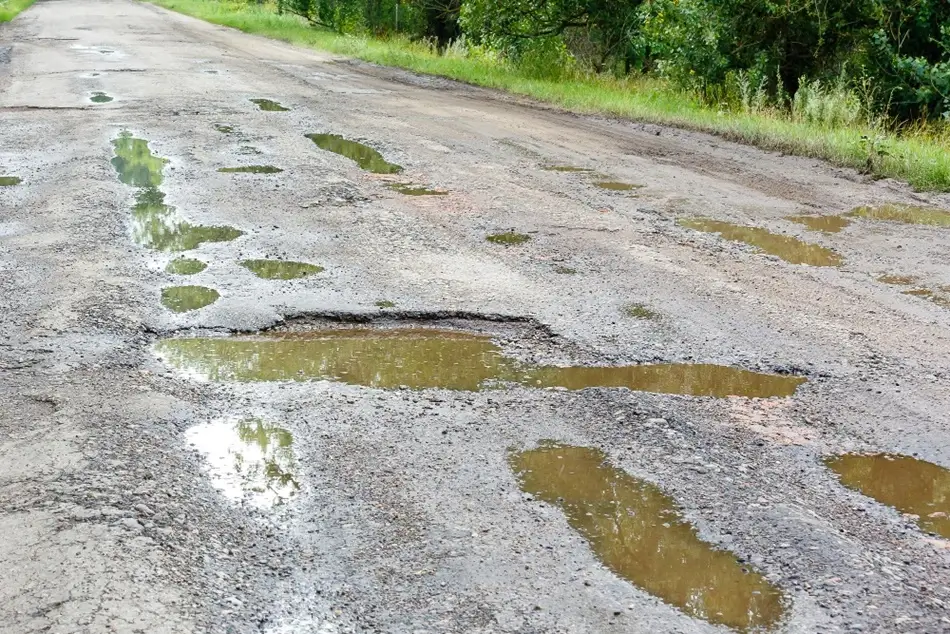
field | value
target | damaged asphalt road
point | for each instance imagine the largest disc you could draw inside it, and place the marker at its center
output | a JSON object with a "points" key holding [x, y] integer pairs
{"points": [[277, 208]]}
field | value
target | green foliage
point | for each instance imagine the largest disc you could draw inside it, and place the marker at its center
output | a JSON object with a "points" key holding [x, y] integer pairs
{"points": [[9, 9]]}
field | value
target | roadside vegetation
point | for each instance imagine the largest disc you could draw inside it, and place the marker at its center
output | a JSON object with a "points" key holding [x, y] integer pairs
{"points": [[10, 8], [861, 83]]}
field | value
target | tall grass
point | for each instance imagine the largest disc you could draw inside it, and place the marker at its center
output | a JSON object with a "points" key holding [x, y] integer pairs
{"points": [[10, 8], [823, 122]]}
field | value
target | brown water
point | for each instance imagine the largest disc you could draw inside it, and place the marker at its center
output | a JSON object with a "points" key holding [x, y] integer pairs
{"points": [[182, 299], [637, 531], [908, 214], [826, 224], [421, 358], [364, 156], [785, 247], [280, 269], [905, 483], [898, 280]]}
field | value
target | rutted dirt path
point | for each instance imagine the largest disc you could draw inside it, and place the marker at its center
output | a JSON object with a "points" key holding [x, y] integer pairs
{"points": [[399, 510]]}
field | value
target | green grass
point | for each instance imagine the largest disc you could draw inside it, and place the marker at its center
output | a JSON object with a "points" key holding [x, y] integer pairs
{"points": [[921, 157], [10, 8]]}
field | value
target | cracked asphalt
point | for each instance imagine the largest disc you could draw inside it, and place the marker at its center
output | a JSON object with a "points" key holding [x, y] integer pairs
{"points": [[408, 517]]}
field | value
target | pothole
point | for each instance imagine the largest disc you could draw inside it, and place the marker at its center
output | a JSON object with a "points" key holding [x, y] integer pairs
{"points": [[898, 280], [825, 224], [908, 214], [185, 266], [565, 270], [100, 97], [787, 248], [249, 458], [385, 303], [617, 186], [183, 299], [637, 531], [508, 238], [281, 269], [424, 358], [269, 105], [156, 225], [408, 189], [567, 168], [363, 155], [912, 486], [640, 311], [223, 129], [939, 296], [251, 169], [10, 181]]}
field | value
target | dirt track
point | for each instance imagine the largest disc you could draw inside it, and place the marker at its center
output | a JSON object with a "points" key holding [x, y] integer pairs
{"points": [[409, 518]]}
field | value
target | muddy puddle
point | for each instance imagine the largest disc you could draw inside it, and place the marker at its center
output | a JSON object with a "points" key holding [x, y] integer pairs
{"points": [[185, 266], [408, 189], [156, 225], [637, 532], [507, 238], [785, 247], [897, 280], [183, 299], [280, 269], [251, 169], [825, 224], [385, 303], [910, 485], [908, 214], [100, 97], [640, 311], [363, 155], [224, 129], [616, 186], [10, 181], [248, 458], [422, 358], [939, 295], [268, 105]]}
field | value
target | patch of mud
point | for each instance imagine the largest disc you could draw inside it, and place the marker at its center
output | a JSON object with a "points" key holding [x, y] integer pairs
{"points": [[408, 189], [639, 311], [248, 459], [637, 531], [363, 155], [508, 238], [912, 486], [156, 225], [10, 181], [940, 297], [908, 214], [825, 224], [281, 269], [268, 105], [787, 248], [424, 358], [617, 186], [185, 266], [251, 169], [100, 97], [898, 280], [183, 299], [565, 270]]}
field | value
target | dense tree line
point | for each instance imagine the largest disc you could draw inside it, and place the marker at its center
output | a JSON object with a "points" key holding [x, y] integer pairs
{"points": [[891, 55]]}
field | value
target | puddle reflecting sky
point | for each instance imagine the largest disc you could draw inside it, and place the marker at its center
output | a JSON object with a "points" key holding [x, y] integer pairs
{"points": [[422, 358], [364, 156], [183, 299], [268, 105], [908, 214], [408, 189], [785, 247], [185, 266], [825, 224], [280, 269], [248, 458], [636, 530], [10, 181], [905, 483]]}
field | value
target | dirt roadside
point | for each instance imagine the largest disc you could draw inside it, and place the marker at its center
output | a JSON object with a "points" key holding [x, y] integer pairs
{"points": [[408, 517]]}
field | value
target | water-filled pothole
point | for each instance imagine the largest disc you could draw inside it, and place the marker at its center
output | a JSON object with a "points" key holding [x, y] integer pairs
{"points": [[251, 169], [617, 186], [785, 247], [249, 457], [908, 214], [637, 531], [182, 299], [156, 225], [508, 238], [10, 181], [364, 156], [640, 311], [826, 224], [408, 189], [939, 296], [385, 303], [280, 269], [224, 129], [421, 358], [898, 280], [269, 105], [567, 168], [185, 266], [100, 97], [905, 483]]}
